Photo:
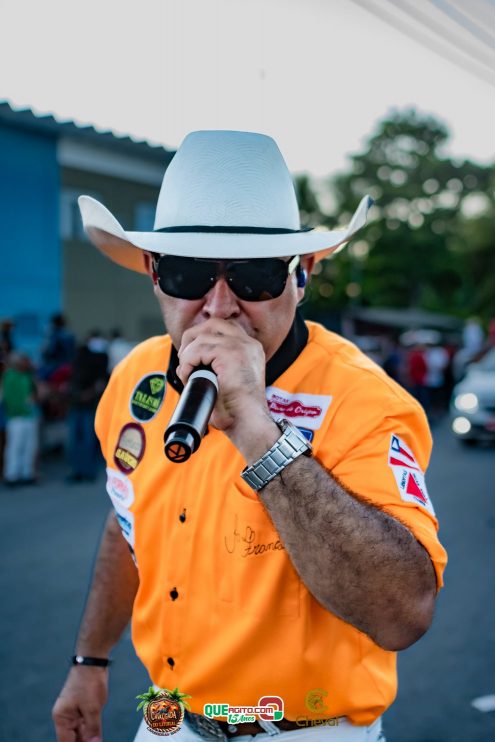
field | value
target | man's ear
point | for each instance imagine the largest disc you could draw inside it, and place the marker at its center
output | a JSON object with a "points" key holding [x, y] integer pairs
{"points": [[302, 277], [305, 269], [304, 272], [308, 263], [148, 264]]}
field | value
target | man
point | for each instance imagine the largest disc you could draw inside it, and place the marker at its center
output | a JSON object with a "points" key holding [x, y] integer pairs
{"points": [[302, 577], [88, 380], [19, 397]]}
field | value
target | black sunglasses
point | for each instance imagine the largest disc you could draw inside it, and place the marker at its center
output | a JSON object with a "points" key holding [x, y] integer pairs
{"points": [[259, 279]]}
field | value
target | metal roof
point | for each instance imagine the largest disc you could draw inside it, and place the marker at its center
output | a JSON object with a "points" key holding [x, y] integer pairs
{"points": [[26, 118], [404, 318]]}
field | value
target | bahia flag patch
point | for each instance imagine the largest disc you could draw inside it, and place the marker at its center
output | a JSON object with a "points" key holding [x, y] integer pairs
{"points": [[408, 475]]}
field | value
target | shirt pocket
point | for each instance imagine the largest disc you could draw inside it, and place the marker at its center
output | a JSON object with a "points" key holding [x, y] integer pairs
{"points": [[257, 576]]}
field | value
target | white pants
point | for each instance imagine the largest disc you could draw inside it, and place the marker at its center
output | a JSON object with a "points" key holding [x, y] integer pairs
{"points": [[21, 447], [344, 732]]}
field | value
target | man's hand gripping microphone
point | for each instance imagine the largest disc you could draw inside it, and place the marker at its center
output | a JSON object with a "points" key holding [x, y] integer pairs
{"points": [[190, 419]]}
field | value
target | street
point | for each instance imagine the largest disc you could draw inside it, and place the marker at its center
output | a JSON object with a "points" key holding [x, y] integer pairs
{"points": [[49, 541]]}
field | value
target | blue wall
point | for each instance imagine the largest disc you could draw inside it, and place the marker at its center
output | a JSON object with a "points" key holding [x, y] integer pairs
{"points": [[30, 248]]}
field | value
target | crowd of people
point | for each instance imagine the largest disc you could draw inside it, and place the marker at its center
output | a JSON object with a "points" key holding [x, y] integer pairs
{"points": [[429, 367], [65, 386], [69, 381]]}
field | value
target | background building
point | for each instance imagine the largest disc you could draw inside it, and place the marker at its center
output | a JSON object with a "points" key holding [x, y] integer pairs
{"points": [[47, 263]]}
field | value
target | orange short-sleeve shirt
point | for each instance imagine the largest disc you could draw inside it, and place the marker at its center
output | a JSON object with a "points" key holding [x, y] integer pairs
{"points": [[220, 611]]}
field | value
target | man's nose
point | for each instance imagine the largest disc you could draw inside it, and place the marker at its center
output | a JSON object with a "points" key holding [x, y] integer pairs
{"points": [[221, 302]]}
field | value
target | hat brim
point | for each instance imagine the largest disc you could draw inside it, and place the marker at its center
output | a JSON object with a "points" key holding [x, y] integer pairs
{"points": [[126, 248]]}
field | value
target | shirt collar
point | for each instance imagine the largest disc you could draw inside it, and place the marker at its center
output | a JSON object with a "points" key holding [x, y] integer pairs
{"points": [[284, 357]]}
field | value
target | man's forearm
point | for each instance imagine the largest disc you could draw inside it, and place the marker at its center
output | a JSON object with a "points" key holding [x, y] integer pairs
{"points": [[113, 589], [356, 560]]}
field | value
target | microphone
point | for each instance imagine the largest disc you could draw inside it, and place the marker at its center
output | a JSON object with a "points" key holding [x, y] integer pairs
{"points": [[190, 419]]}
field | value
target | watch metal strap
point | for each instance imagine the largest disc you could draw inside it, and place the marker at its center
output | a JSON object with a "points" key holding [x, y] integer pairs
{"points": [[286, 449]]}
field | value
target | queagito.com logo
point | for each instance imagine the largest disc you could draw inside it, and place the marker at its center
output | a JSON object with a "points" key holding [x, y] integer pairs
{"points": [[268, 708]]}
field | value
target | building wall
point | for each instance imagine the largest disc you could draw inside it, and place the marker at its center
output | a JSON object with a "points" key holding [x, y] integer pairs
{"points": [[96, 292], [30, 269]]}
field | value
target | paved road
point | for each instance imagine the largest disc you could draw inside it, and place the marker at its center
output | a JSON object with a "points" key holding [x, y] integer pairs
{"points": [[48, 545], [455, 662]]}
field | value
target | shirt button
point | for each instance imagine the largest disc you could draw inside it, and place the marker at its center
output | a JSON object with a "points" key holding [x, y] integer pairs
{"points": [[182, 516], [174, 594], [171, 662]]}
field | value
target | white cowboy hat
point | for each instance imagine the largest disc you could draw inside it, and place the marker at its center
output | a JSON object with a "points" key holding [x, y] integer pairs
{"points": [[225, 194]]}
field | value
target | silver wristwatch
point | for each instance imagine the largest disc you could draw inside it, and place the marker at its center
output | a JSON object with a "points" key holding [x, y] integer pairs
{"points": [[291, 444]]}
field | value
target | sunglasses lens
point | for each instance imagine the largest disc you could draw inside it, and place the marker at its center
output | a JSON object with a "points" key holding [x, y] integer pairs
{"points": [[185, 278], [251, 280], [257, 280]]}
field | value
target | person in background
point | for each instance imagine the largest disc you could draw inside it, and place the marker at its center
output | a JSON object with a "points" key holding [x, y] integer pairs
{"points": [[20, 409], [473, 339], [6, 342], [6, 347], [491, 333], [392, 365], [437, 361], [416, 373], [118, 348], [89, 378], [59, 347]]}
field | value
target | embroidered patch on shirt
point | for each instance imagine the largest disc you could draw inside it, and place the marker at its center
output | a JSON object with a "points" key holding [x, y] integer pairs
{"points": [[147, 397], [408, 475], [130, 447], [304, 410], [309, 434], [120, 488], [126, 522]]}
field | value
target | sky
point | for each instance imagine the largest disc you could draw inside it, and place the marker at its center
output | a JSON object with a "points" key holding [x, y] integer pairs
{"points": [[316, 75]]}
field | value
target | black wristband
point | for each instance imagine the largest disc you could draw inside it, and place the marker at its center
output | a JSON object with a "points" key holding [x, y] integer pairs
{"points": [[78, 659]]}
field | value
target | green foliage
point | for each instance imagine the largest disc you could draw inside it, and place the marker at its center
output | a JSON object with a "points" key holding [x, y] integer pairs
{"points": [[180, 697], [148, 696], [309, 208], [476, 248], [422, 247]]}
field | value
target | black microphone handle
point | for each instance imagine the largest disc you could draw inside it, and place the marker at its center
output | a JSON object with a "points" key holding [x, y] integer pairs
{"points": [[191, 415]]}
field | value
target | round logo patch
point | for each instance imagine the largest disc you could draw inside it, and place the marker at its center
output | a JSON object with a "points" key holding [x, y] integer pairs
{"points": [[120, 488], [148, 396], [130, 447], [163, 710]]}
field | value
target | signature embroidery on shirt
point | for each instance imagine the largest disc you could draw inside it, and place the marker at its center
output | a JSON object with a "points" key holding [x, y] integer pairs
{"points": [[248, 543]]}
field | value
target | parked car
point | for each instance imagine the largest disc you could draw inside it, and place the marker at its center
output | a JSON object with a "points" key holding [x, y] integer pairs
{"points": [[472, 406]]}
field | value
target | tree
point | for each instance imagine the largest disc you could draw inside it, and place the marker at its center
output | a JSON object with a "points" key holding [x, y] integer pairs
{"points": [[412, 253], [475, 245]]}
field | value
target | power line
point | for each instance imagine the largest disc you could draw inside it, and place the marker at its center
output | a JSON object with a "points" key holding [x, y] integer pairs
{"points": [[438, 47], [481, 12], [463, 20], [430, 23]]}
